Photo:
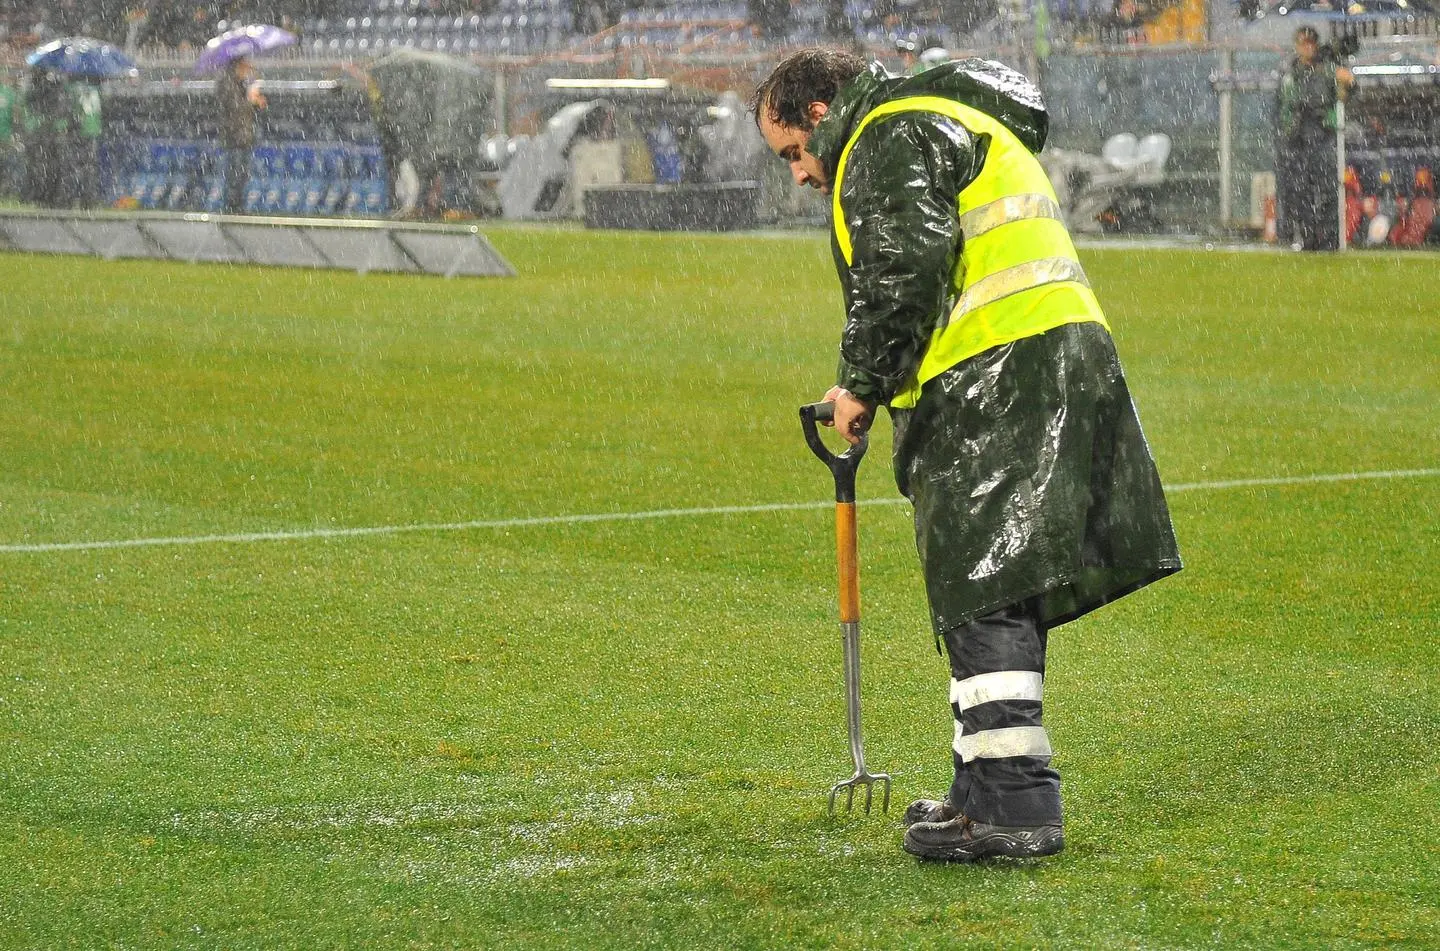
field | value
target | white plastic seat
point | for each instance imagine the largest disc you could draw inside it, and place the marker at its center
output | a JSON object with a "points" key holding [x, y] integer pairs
{"points": [[1120, 150], [1152, 153]]}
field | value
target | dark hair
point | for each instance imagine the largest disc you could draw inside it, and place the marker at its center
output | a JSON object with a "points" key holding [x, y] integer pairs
{"points": [[1308, 33], [809, 75]]}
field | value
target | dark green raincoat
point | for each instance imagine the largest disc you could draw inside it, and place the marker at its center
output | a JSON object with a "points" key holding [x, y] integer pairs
{"points": [[1029, 473]]}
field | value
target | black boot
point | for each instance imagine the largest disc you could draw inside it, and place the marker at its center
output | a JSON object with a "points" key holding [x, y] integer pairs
{"points": [[965, 840]]}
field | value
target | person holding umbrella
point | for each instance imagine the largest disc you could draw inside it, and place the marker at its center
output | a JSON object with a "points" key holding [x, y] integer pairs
{"points": [[47, 138], [238, 98], [63, 116]]}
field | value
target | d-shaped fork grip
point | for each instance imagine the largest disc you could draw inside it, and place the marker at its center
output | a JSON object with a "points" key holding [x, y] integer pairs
{"points": [[843, 466]]}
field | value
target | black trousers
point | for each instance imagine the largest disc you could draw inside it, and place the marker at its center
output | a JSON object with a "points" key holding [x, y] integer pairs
{"points": [[84, 172], [236, 171], [47, 159], [1001, 750], [1308, 186]]}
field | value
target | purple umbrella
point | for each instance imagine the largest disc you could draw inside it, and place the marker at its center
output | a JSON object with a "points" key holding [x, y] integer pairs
{"points": [[240, 42]]}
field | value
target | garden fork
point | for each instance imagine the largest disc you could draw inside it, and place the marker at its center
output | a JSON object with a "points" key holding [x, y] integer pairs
{"points": [[843, 468]]}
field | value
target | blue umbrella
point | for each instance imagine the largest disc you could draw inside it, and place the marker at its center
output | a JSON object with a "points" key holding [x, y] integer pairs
{"points": [[82, 56], [240, 42]]}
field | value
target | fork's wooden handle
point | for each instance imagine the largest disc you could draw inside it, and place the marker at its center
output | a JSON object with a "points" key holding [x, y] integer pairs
{"points": [[848, 558]]}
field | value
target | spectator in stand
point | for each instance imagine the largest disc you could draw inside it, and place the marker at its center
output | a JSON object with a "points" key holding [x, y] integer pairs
{"points": [[198, 29], [896, 16], [837, 23], [1306, 172], [1126, 23], [41, 31], [1416, 224], [238, 100], [770, 18]]}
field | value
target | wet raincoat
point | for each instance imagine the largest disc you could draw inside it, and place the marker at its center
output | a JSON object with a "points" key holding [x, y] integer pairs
{"points": [[1030, 476]]}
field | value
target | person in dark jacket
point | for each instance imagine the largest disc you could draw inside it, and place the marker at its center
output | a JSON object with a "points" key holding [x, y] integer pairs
{"points": [[968, 315], [47, 139], [237, 100], [1305, 161]]}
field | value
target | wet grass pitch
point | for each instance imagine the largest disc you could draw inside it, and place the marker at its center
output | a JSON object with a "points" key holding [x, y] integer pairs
{"points": [[620, 732]]}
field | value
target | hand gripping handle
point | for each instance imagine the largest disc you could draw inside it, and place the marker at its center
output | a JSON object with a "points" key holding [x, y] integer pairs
{"points": [[843, 466]]}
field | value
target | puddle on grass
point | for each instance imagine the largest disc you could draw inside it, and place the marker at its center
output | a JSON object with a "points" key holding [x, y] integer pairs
{"points": [[546, 847], [301, 818], [493, 832]]}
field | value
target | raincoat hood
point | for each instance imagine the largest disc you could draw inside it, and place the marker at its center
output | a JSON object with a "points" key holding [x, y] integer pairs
{"points": [[991, 87]]}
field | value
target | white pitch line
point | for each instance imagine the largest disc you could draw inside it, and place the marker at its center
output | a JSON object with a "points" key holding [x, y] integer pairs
{"points": [[312, 533]]}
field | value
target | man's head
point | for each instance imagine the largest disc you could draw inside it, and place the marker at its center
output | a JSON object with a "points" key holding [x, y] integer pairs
{"points": [[795, 96], [1307, 43]]}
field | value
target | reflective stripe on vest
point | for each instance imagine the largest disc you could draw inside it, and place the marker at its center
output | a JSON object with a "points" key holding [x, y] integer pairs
{"points": [[1017, 274]]}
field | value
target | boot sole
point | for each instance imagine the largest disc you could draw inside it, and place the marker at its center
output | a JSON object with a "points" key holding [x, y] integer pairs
{"points": [[1010, 845]]}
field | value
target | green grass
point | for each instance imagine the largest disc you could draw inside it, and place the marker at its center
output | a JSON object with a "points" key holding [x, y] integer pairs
{"points": [[620, 734]]}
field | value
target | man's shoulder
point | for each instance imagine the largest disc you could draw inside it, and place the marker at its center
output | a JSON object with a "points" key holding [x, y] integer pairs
{"points": [[911, 128]]}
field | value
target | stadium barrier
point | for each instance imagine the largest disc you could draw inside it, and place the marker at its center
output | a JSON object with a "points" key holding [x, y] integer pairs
{"points": [[352, 245], [719, 206]]}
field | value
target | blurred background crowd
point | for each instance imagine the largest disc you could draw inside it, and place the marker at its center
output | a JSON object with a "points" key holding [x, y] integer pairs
{"points": [[1167, 115], [185, 24]]}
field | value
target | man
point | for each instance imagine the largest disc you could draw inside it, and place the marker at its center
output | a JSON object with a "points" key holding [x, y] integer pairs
{"points": [[237, 99], [1305, 161], [969, 317], [47, 139]]}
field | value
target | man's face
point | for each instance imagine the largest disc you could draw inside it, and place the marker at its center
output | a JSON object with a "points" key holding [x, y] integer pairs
{"points": [[789, 143], [1305, 49]]}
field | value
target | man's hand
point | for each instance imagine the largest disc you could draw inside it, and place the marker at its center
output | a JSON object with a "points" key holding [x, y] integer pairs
{"points": [[1344, 81], [852, 417]]}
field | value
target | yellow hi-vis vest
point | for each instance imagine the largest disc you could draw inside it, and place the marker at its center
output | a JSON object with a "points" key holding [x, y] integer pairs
{"points": [[1017, 274]]}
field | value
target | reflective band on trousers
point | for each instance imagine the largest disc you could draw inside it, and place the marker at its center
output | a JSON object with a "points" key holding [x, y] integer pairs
{"points": [[999, 744], [1001, 685], [1002, 211], [1013, 280]]}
